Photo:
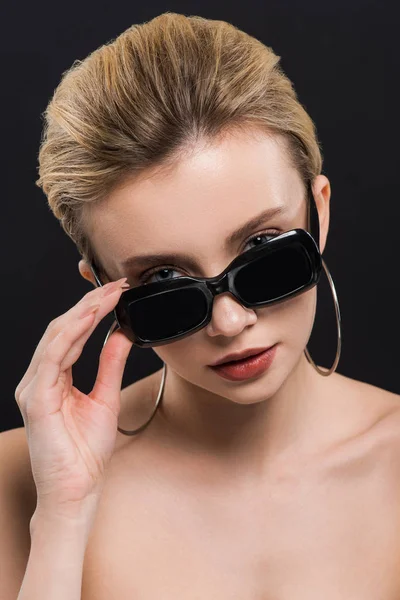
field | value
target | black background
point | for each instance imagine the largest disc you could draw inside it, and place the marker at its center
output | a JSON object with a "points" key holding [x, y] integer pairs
{"points": [[343, 59]]}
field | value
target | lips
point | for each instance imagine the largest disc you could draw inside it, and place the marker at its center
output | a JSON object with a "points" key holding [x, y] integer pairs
{"points": [[240, 355]]}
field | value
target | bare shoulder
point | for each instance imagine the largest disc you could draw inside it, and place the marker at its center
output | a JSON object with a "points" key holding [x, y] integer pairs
{"points": [[378, 404], [17, 505], [16, 468], [374, 417]]}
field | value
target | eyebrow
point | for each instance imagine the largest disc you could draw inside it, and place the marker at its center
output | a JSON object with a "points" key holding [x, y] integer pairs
{"points": [[147, 260]]}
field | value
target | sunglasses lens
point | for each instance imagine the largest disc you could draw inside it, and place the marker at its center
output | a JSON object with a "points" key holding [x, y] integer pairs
{"points": [[168, 314], [276, 275]]}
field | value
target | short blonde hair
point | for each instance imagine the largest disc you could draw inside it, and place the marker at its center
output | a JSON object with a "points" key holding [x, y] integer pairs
{"points": [[144, 99]]}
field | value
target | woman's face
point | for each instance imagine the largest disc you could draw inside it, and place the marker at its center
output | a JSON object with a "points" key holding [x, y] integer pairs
{"points": [[191, 210]]}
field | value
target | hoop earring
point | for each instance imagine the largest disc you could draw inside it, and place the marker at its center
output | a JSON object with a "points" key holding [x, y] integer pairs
{"points": [[113, 327], [338, 326], [310, 360]]}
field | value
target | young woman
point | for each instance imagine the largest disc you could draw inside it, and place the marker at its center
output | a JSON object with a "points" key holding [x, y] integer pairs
{"points": [[180, 161]]}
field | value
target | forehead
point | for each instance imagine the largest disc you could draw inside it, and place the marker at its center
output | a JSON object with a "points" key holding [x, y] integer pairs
{"points": [[199, 201]]}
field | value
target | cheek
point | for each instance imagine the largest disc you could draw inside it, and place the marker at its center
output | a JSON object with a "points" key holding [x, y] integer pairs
{"points": [[292, 321], [176, 354]]}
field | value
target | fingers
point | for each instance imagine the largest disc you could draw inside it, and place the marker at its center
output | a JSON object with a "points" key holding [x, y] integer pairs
{"points": [[97, 296], [113, 357], [49, 368], [44, 394]]}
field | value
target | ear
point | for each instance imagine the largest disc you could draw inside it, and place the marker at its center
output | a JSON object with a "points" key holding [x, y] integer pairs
{"points": [[322, 193], [86, 272]]}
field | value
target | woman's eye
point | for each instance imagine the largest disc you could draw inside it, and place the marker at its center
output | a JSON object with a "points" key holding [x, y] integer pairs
{"points": [[157, 274], [150, 275], [269, 234]]}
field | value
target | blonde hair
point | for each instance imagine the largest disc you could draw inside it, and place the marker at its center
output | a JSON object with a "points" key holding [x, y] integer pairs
{"points": [[144, 99]]}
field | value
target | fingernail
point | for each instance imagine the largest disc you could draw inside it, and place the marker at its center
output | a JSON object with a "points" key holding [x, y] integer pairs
{"points": [[112, 287]]}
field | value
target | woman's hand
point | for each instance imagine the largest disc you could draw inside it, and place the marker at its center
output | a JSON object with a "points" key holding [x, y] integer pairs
{"points": [[71, 435]]}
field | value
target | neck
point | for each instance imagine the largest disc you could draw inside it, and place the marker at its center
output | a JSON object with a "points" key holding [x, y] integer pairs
{"points": [[253, 423]]}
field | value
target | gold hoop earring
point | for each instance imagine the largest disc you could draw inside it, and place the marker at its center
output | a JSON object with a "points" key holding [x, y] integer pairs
{"points": [[338, 326], [113, 327]]}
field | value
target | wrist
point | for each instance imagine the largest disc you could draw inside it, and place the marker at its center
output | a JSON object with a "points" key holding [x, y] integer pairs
{"points": [[74, 518]]}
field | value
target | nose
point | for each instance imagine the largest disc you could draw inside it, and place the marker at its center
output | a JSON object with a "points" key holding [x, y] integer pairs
{"points": [[229, 317]]}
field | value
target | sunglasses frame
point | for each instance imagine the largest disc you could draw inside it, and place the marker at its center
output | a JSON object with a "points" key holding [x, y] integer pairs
{"points": [[225, 281]]}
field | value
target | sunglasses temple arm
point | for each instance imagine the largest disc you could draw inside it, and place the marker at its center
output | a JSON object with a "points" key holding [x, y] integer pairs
{"points": [[313, 218], [93, 268]]}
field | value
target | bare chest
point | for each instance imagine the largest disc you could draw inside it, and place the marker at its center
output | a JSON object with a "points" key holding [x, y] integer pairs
{"points": [[329, 533]]}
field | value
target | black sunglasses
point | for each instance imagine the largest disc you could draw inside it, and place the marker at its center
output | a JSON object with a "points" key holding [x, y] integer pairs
{"points": [[159, 313]]}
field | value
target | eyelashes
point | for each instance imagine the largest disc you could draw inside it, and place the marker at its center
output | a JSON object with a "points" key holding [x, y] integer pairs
{"points": [[143, 278]]}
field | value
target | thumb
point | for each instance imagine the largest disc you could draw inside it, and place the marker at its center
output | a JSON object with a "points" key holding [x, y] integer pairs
{"points": [[112, 361]]}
